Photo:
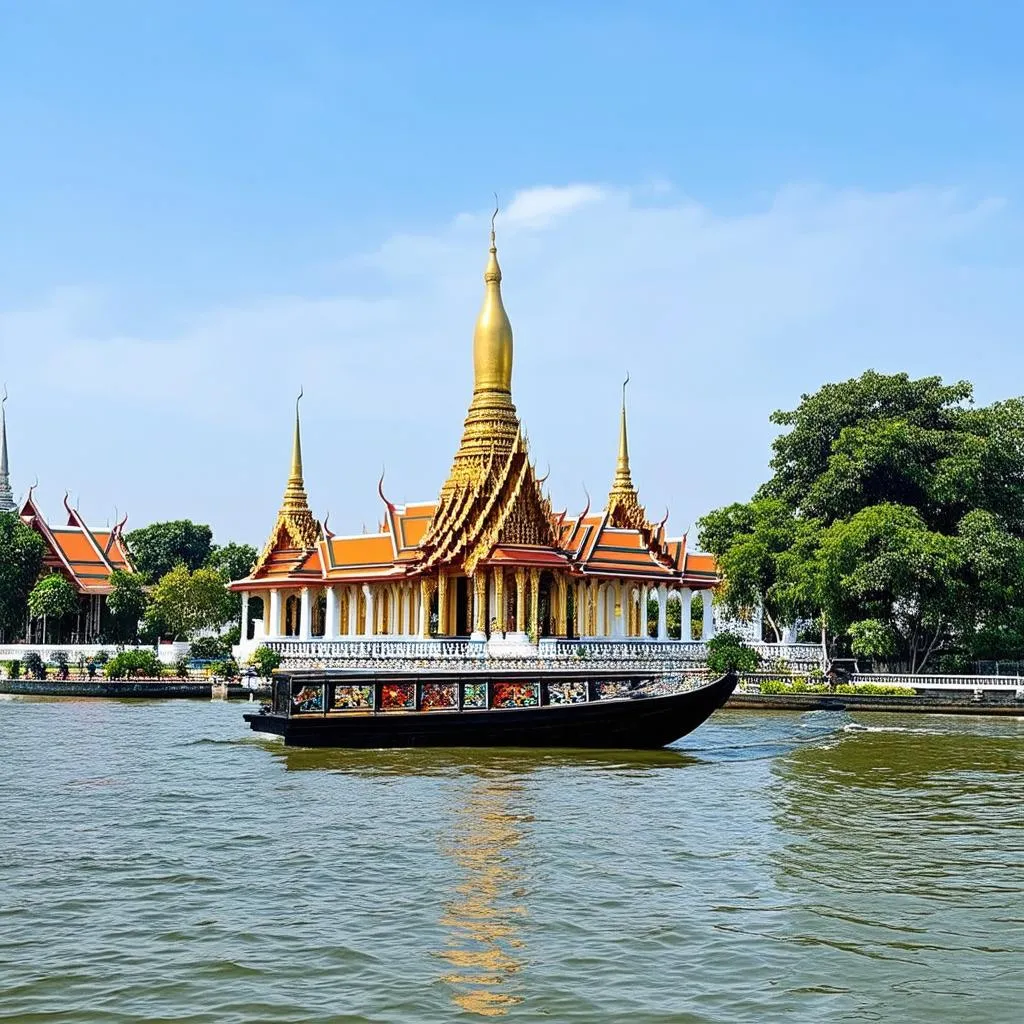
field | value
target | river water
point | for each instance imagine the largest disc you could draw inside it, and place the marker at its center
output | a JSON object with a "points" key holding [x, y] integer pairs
{"points": [[160, 863]]}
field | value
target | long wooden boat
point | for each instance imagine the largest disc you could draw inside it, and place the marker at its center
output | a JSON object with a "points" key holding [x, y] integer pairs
{"points": [[595, 709]]}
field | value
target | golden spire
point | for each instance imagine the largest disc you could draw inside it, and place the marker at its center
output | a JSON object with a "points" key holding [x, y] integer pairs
{"points": [[295, 491], [295, 526], [623, 480], [492, 336], [491, 426], [624, 508]]}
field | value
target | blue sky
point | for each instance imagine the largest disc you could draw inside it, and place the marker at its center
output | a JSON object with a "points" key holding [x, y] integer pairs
{"points": [[205, 205]]}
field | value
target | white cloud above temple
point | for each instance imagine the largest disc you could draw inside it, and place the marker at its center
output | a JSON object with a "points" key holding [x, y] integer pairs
{"points": [[720, 316]]}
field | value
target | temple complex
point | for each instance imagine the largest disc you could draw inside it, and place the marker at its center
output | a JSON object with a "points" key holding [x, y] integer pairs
{"points": [[488, 561]]}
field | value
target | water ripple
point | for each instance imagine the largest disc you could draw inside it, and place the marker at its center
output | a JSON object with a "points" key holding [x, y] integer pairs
{"points": [[158, 863]]}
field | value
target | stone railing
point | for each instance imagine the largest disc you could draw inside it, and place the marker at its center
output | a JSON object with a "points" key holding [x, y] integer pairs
{"points": [[17, 652], [375, 650], [672, 656], [938, 682]]}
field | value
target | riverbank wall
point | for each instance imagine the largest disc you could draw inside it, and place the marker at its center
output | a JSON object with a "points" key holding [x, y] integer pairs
{"points": [[123, 689], [944, 703]]}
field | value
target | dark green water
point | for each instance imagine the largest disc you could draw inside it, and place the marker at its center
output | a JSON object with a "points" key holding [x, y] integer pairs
{"points": [[159, 863]]}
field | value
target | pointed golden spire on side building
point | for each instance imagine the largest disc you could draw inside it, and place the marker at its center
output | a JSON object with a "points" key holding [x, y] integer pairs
{"points": [[295, 499], [295, 527], [624, 508]]}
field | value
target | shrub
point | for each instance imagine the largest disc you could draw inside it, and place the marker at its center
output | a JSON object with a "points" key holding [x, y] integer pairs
{"points": [[226, 669], [209, 648], [60, 659], [14, 669], [34, 667], [727, 653], [877, 690], [131, 664], [265, 660], [181, 667], [770, 686]]}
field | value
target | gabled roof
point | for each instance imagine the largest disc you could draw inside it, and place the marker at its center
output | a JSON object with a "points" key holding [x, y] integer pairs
{"points": [[86, 557], [616, 551]]}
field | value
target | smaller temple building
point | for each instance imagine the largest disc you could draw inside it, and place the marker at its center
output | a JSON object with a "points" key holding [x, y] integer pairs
{"points": [[489, 562], [86, 556]]}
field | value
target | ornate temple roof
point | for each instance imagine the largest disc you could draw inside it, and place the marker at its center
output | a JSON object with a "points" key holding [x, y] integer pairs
{"points": [[491, 510], [85, 556]]}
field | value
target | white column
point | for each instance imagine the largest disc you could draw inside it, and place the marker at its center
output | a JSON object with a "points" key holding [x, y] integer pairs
{"points": [[273, 626], [244, 634], [662, 612], [412, 591], [709, 621], [423, 607], [600, 609], [368, 594], [331, 623], [305, 624], [685, 613]]}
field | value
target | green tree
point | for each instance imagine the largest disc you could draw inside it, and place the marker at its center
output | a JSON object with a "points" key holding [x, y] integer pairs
{"points": [[127, 603], [894, 519], [234, 562], [21, 560], [264, 659], [187, 602], [51, 599], [728, 653], [156, 549], [751, 542]]}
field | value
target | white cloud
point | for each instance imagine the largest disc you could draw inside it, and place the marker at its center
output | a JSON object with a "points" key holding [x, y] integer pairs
{"points": [[541, 207], [719, 318]]}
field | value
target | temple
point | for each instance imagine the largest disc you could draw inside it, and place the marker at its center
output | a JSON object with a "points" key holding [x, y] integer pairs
{"points": [[489, 561], [86, 556]]}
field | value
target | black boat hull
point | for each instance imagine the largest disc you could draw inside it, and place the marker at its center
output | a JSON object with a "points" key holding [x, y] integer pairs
{"points": [[635, 723]]}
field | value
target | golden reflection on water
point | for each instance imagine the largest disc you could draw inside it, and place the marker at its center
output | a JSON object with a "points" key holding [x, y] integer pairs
{"points": [[482, 945]]}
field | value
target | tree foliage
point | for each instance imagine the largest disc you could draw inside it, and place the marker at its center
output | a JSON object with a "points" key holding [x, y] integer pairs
{"points": [[156, 549], [728, 653], [751, 542], [141, 662], [127, 603], [53, 596], [233, 561], [894, 518], [21, 559], [264, 659], [187, 602]]}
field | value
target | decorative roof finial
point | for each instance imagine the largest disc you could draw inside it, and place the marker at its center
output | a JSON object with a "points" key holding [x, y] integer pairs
{"points": [[296, 471], [623, 478], [380, 489]]}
